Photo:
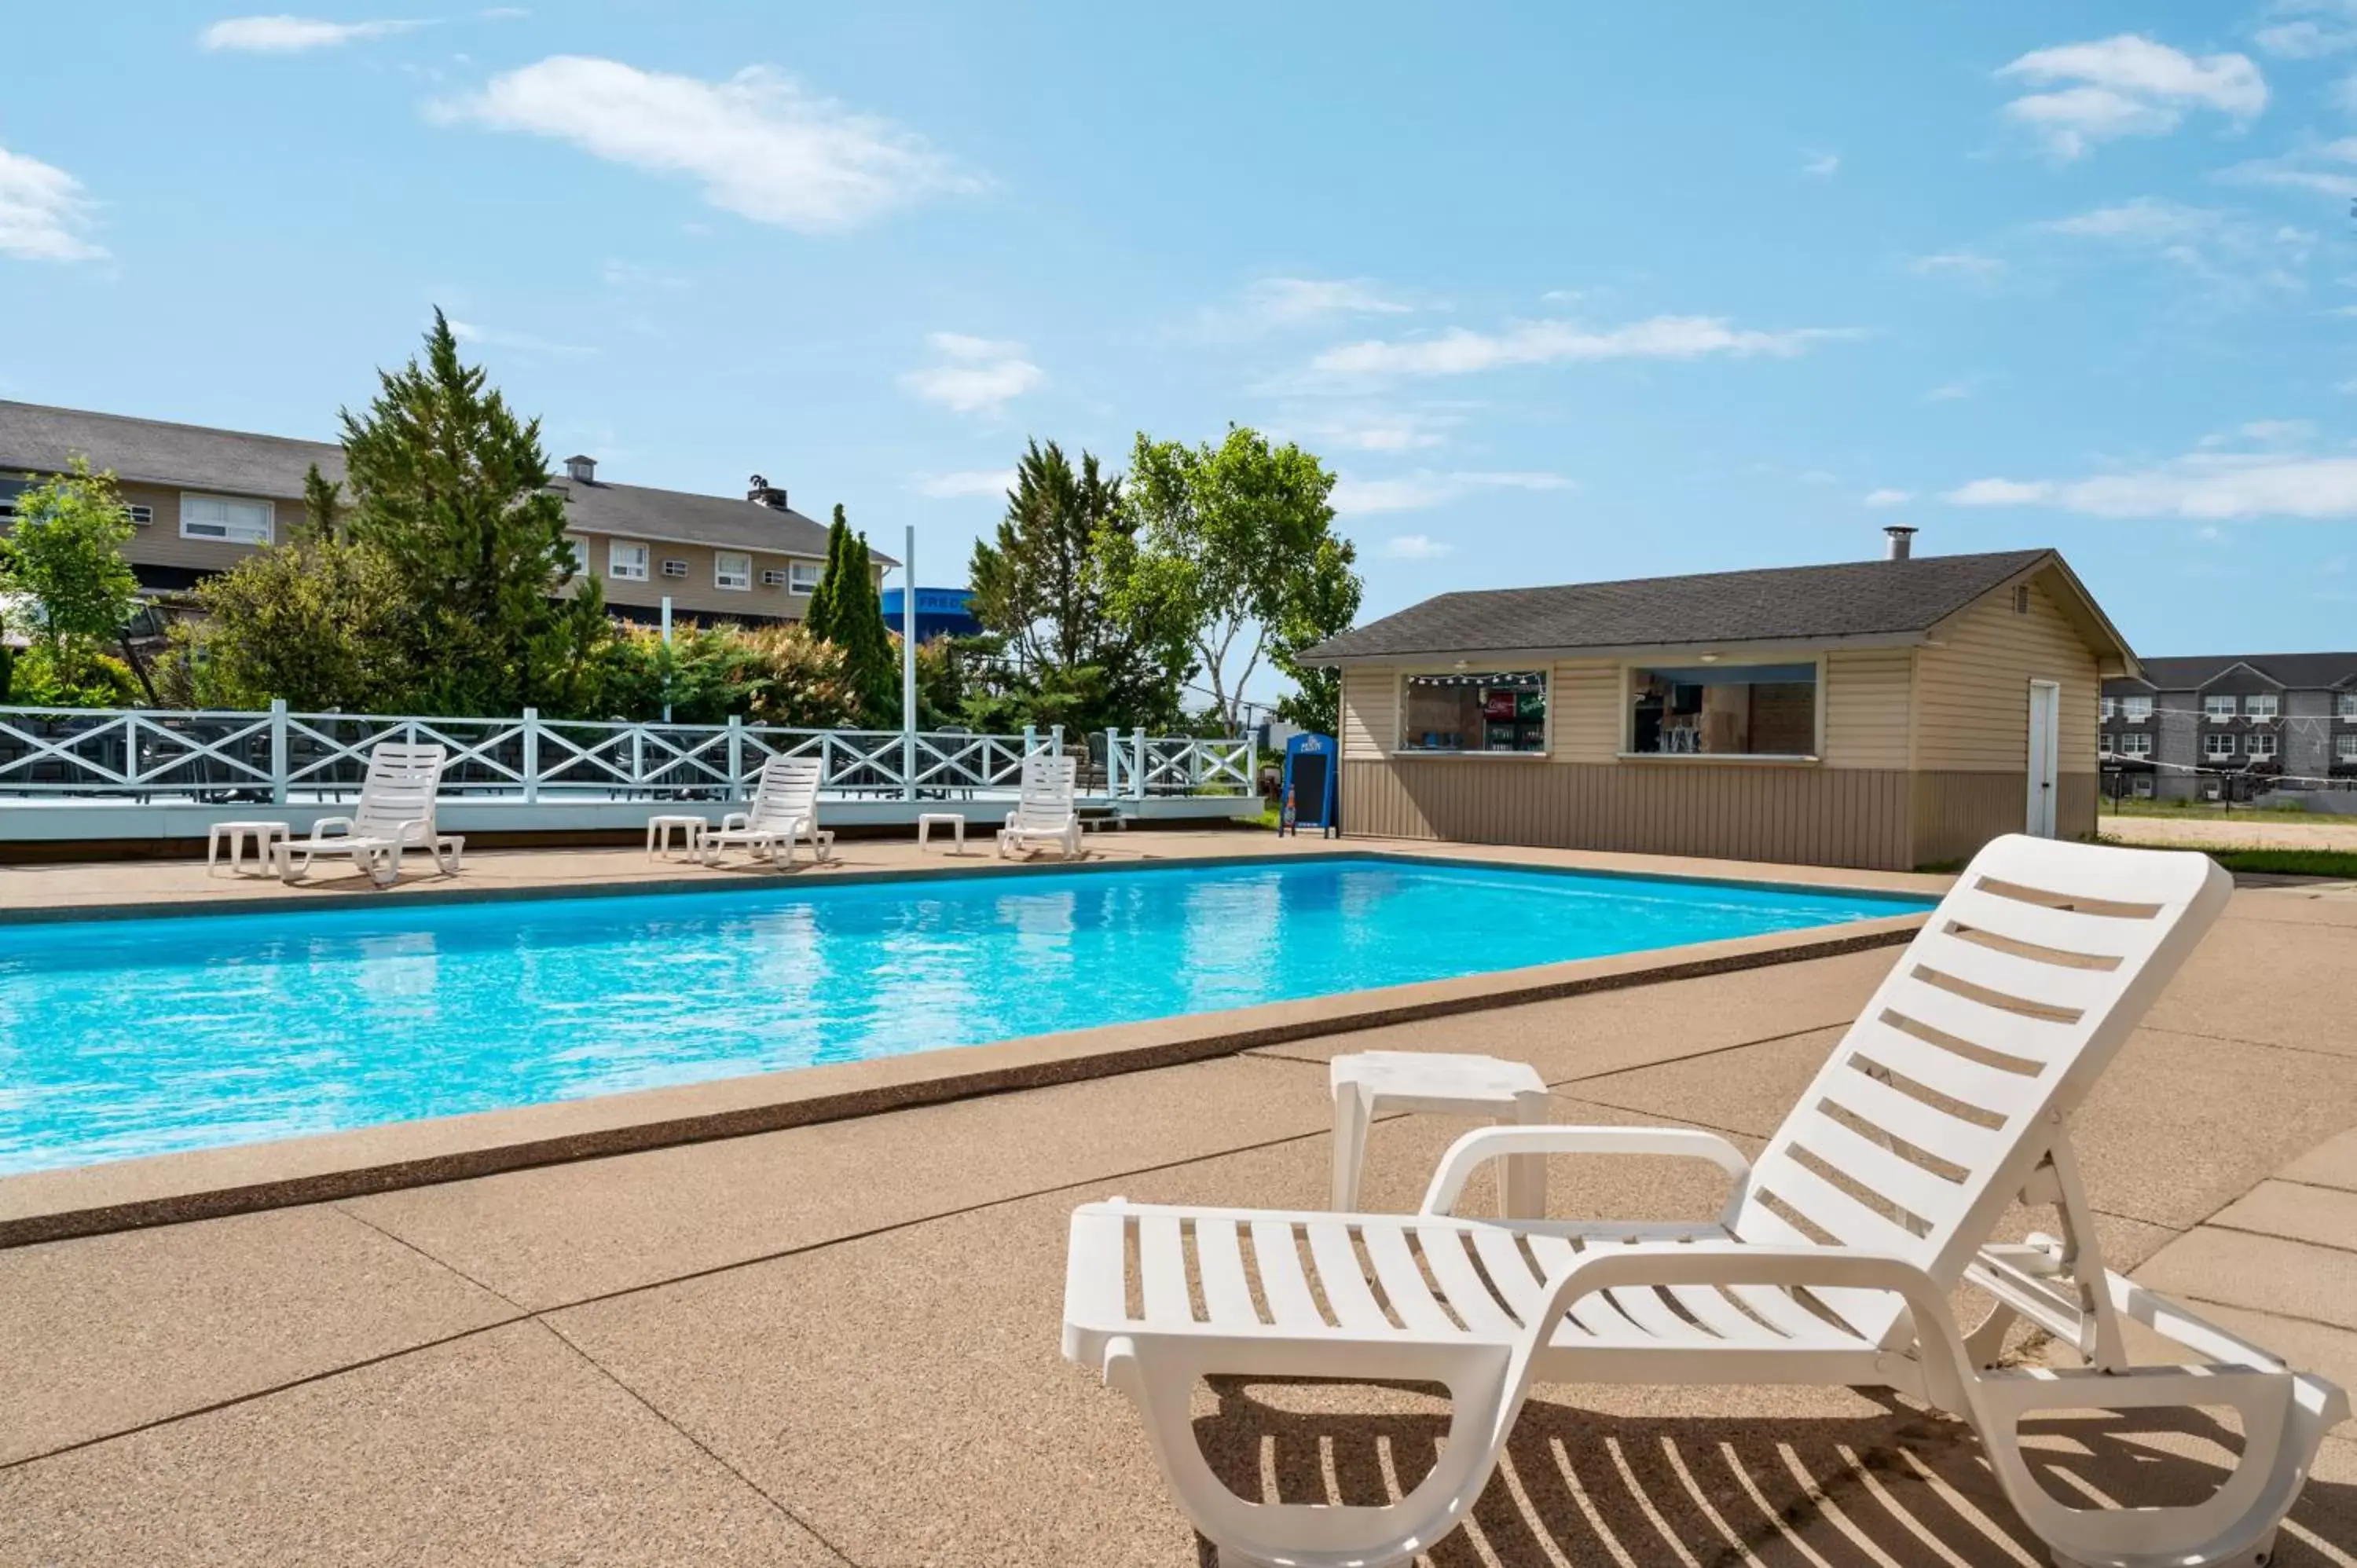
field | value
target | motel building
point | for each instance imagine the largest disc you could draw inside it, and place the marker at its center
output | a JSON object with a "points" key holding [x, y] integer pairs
{"points": [[1888, 714]]}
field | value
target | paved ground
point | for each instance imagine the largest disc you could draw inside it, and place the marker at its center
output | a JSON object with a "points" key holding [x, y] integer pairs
{"points": [[2233, 833], [837, 1344]]}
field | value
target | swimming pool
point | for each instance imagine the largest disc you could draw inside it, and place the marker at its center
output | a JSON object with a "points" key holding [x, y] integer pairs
{"points": [[127, 1037]]}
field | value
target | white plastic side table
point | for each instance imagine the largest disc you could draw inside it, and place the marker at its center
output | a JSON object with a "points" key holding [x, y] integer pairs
{"points": [[928, 821], [1368, 1083], [660, 830], [267, 837]]}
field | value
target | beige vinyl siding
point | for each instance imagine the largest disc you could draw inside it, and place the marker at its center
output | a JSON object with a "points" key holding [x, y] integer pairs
{"points": [[695, 595], [1370, 712], [1866, 704], [158, 543], [1584, 707], [1971, 688], [1798, 814]]}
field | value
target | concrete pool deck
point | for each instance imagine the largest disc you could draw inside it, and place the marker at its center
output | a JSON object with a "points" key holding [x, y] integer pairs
{"points": [[836, 1343]]}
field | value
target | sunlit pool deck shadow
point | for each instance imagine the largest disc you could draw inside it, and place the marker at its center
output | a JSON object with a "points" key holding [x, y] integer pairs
{"points": [[1879, 1483]]}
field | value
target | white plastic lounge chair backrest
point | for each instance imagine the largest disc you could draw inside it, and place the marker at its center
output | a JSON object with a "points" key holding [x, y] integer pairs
{"points": [[1046, 804], [2005, 1008], [399, 788], [787, 792]]}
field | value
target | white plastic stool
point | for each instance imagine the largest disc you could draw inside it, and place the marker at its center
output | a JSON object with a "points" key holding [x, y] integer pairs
{"points": [[660, 830], [928, 821], [267, 837], [1372, 1083]]}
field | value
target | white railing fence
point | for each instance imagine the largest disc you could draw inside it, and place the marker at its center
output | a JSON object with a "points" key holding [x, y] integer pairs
{"points": [[279, 755]]}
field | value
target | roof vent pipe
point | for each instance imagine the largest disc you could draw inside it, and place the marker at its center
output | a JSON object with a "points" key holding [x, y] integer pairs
{"points": [[1902, 543]]}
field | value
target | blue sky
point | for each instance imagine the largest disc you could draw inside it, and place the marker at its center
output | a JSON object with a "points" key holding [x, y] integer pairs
{"points": [[1563, 295]]}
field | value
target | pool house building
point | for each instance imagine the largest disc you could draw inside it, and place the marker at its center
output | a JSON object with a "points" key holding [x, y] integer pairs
{"points": [[1888, 714]]}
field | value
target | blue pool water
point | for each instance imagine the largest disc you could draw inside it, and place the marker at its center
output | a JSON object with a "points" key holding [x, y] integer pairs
{"points": [[130, 1038]]}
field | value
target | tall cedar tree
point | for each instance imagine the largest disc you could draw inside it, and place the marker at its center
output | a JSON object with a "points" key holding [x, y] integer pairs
{"points": [[1043, 586], [846, 611], [322, 504], [454, 490]]}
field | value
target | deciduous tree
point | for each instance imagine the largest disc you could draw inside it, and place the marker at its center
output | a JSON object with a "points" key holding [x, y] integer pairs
{"points": [[64, 557], [1235, 542]]}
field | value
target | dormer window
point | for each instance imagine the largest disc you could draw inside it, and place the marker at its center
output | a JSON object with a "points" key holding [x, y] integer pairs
{"points": [[584, 469]]}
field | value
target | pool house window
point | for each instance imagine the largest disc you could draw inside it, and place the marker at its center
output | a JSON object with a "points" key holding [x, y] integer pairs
{"points": [[1723, 710], [1467, 711]]}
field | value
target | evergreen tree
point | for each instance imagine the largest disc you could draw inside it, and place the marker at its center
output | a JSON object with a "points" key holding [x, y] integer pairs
{"points": [[453, 487], [1044, 586], [847, 611], [322, 504], [820, 619]]}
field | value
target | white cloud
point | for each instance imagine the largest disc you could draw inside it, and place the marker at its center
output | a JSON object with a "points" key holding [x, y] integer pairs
{"points": [[757, 144], [497, 338], [1997, 492], [1883, 497], [1378, 429], [1951, 392], [966, 482], [2128, 86], [1970, 265], [1411, 547], [44, 216], [1308, 299], [2279, 432], [1822, 165], [975, 375], [292, 34], [1425, 488], [2236, 261], [2330, 169], [2201, 485], [2302, 36], [1461, 353]]}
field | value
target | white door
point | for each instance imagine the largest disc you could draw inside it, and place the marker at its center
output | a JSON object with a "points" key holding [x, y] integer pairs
{"points": [[2045, 744]]}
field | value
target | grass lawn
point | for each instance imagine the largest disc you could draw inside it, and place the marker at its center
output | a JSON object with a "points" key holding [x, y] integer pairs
{"points": [[2337, 862], [2181, 809]]}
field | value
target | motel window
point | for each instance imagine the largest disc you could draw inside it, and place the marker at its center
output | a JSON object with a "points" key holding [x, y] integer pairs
{"points": [[627, 563], [1503, 711], [580, 556], [2218, 710], [732, 569], [2261, 706], [1724, 710], [232, 519], [2345, 746], [2262, 746], [11, 487], [2135, 710], [2109, 707], [804, 577], [2135, 744], [2345, 704], [2218, 747]]}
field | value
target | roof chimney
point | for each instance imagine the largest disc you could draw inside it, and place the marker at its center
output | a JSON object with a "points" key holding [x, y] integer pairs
{"points": [[1902, 545], [760, 492], [582, 469]]}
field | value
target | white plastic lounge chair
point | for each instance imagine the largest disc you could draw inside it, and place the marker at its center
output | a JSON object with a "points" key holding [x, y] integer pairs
{"points": [[2004, 1009], [784, 811], [1044, 812], [395, 814]]}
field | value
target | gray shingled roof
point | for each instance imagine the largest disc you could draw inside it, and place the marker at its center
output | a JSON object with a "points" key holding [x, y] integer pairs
{"points": [[1796, 604], [42, 440], [2307, 671]]}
